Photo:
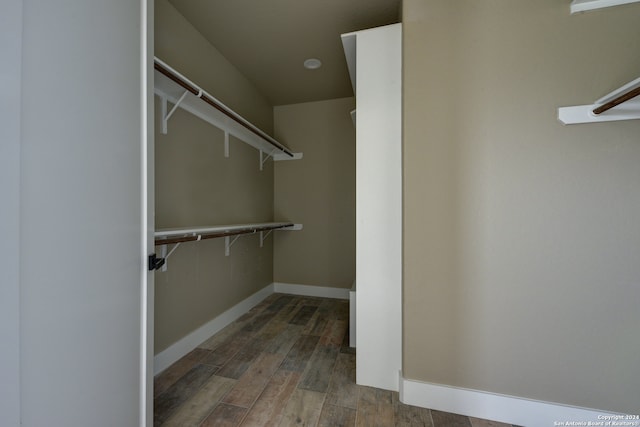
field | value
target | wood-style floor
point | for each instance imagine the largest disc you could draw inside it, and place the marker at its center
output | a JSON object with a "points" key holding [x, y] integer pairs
{"points": [[287, 362]]}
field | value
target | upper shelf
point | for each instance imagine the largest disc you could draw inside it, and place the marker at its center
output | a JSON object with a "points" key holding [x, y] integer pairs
{"points": [[172, 86], [585, 5], [621, 104]]}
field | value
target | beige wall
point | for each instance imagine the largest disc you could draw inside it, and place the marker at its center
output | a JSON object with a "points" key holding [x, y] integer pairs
{"points": [[185, 49], [521, 237], [197, 185], [318, 191]]}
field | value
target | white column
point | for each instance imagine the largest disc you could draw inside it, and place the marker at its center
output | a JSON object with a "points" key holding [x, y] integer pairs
{"points": [[379, 206]]}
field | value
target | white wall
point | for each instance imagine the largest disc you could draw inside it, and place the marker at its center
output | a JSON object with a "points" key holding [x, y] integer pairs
{"points": [[81, 214], [10, 46], [379, 207]]}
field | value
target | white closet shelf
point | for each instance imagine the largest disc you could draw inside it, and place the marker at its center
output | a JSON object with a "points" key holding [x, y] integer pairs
{"points": [[585, 5], [188, 234], [176, 236], [173, 87], [621, 104]]}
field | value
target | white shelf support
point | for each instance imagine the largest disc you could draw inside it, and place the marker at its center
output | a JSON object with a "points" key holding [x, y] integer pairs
{"points": [[278, 157], [165, 255], [166, 116], [263, 237], [294, 227], [226, 144], [628, 109], [228, 243], [586, 5]]}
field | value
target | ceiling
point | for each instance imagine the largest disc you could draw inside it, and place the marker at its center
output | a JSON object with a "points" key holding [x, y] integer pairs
{"points": [[268, 40]]}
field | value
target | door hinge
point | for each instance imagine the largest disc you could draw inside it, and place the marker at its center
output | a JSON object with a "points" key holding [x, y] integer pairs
{"points": [[155, 263]]}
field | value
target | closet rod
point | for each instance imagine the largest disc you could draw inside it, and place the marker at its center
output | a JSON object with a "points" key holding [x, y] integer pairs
{"points": [[193, 238], [617, 101], [219, 106]]}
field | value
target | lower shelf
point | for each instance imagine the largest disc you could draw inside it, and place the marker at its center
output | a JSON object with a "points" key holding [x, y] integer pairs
{"points": [[176, 236]]}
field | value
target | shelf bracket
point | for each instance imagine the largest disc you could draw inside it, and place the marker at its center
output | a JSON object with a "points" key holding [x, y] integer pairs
{"points": [[263, 237], [264, 157], [165, 255], [621, 104], [228, 243], [226, 144], [166, 116]]}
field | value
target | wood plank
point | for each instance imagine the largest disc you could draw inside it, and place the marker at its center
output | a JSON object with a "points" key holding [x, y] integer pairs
{"points": [[340, 309], [320, 319], [258, 322], [282, 301], [343, 390], [180, 392], [318, 372], [375, 408], [269, 408], [337, 416], [408, 416], [262, 305], [224, 416], [231, 329], [254, 380], [240, 362], [334, 333], [345, 346], [446, 419], [169, 376], [300, 353], [195, 410], [303, 315], [284, 342], [231, 345], [222, 336], [303, 409]]}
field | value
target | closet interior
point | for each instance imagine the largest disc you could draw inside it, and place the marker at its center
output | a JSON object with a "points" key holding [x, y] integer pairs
{"points": [[253, 194]]}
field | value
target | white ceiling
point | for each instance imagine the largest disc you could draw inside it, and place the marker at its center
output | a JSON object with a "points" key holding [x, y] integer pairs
{"points": [[268, 40]]}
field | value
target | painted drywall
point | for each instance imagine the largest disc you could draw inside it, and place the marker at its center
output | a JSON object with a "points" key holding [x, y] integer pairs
{"points": [[317, 191], [10, 106], [520, 235], [81, 225], [196, 185], [186, 50]]}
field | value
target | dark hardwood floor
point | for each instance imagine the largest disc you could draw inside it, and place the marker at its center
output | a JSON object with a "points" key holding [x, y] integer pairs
{"points": [[287, 362]]}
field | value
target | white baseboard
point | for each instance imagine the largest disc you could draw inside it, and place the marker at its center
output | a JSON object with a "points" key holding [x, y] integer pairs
{"points": [[176, 351], [496, 407], [311, 291]]}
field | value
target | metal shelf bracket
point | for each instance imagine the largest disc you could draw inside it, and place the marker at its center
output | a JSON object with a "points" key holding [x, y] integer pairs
{"points": [[263, 237], [167, 115], [228, 243]]}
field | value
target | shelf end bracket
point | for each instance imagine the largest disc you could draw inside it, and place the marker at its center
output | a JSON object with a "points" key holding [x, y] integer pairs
{"points": [[228, 243], [166, 116]]}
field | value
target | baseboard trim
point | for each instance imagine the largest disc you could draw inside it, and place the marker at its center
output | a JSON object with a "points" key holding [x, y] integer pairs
{"points": [[181, 348], [496, 407], [311, 291]]}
